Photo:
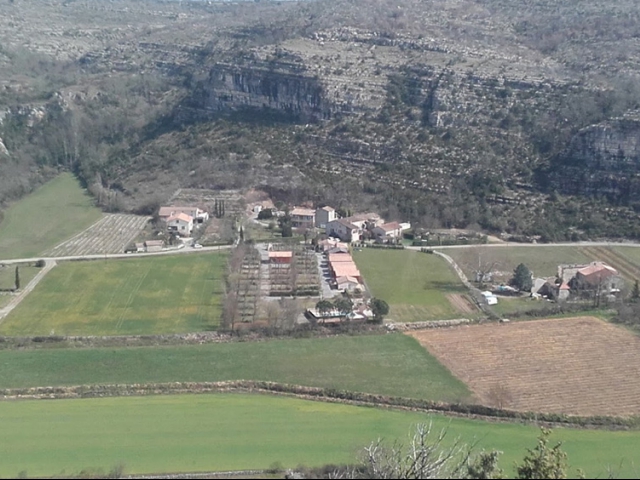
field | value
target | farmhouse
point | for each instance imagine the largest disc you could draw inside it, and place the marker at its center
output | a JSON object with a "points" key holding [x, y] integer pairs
{"points": [[595, 276], [180, 223], [198, 215], [303, 217]]}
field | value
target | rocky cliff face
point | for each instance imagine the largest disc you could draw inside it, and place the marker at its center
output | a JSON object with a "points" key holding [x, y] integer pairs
{"points": [[604, 159], [290, 92]]}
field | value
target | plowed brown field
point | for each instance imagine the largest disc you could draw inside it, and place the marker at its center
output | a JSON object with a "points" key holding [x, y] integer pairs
{"points": [[579, 366]]}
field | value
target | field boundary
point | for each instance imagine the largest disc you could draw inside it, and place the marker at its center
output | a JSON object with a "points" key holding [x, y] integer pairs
{"points": [[324, 395]]}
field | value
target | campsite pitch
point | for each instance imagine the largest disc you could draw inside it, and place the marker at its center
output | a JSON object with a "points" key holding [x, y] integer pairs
{"points": [[580, 366], [168, 294], [414, 284]]}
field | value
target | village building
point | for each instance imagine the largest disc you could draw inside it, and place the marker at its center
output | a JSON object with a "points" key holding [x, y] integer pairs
{"points": [[180, 223], [348, 284], [387, 231], [303, 217], [344, 230], [280, 258], [325, 215], [153, 245]]}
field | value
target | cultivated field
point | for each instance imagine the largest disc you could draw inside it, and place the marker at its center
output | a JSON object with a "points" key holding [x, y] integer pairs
{"points": [[53, 213], [169, 294], [111, 234], [414, 284], [384, 364], [580, 366], [190, 433]]}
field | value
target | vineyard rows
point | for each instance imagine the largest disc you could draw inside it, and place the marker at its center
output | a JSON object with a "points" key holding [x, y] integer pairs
{"points": [[111, 234], [579, 366]]}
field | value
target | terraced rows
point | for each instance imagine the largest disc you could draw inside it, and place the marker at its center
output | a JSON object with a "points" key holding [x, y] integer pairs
{"points": [[579, 366], [111, 234]]}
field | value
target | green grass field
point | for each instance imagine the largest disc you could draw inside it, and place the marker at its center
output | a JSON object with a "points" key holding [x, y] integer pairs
{"points": [[412, 283], [168, 294], [48, 216], [232, 431], [385, 364], [8, 275]]}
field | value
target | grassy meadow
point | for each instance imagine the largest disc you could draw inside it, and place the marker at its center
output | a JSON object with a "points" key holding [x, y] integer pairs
{"points": [[392, 364], [216, 432], [56, 211], [167, 294], [414, 284]]}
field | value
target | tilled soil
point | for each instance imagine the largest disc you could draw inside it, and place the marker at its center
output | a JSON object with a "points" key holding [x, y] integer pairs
{"points": [[580, 366]]}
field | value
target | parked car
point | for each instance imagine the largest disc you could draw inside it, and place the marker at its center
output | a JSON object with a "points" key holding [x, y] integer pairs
{"points": [[197, 245]]}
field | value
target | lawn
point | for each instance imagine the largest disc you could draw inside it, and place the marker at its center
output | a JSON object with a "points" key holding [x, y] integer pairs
{"points": [[391, 364], [542, 260], [216, 432], [414, 284], [56, 211], [168, 294]]}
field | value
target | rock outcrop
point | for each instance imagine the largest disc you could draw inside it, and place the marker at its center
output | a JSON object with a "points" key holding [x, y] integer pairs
{"points": [[604, 159]]}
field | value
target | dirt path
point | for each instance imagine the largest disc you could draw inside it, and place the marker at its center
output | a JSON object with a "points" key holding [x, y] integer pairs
{"points": [[15, 301]]}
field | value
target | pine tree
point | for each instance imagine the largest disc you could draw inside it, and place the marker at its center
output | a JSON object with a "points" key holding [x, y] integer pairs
{"points": [[635, 293]]}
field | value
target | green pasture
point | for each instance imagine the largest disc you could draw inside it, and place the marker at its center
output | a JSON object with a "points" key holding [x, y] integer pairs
{"points": [[8, 275], [414, 284], [392, 364], [4, 299], [542, 260], [162, 294], [214, 432], [56, 211]]}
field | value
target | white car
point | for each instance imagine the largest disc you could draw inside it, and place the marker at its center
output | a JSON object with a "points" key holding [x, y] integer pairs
{"points": [[197, 245]]}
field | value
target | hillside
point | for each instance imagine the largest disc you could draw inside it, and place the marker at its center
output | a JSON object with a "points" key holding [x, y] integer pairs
{"points": [[509, 116]]}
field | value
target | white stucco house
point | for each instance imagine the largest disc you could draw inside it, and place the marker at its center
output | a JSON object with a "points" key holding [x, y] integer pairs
{"points": [[344, 230], [180, 223], [198, 215]]}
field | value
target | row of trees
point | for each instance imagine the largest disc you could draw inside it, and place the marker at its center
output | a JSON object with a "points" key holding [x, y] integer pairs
{"points": [[343, 305]]}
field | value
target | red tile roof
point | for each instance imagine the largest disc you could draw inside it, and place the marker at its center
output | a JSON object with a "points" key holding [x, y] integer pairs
{"points": [[180, 216], [280, 254]]}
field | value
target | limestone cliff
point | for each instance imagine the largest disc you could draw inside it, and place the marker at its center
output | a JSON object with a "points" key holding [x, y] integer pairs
{"points": [[604, 159], [232, 87]]}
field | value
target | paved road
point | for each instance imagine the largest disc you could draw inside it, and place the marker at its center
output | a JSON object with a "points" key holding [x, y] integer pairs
{"points": [[184, 250]]}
